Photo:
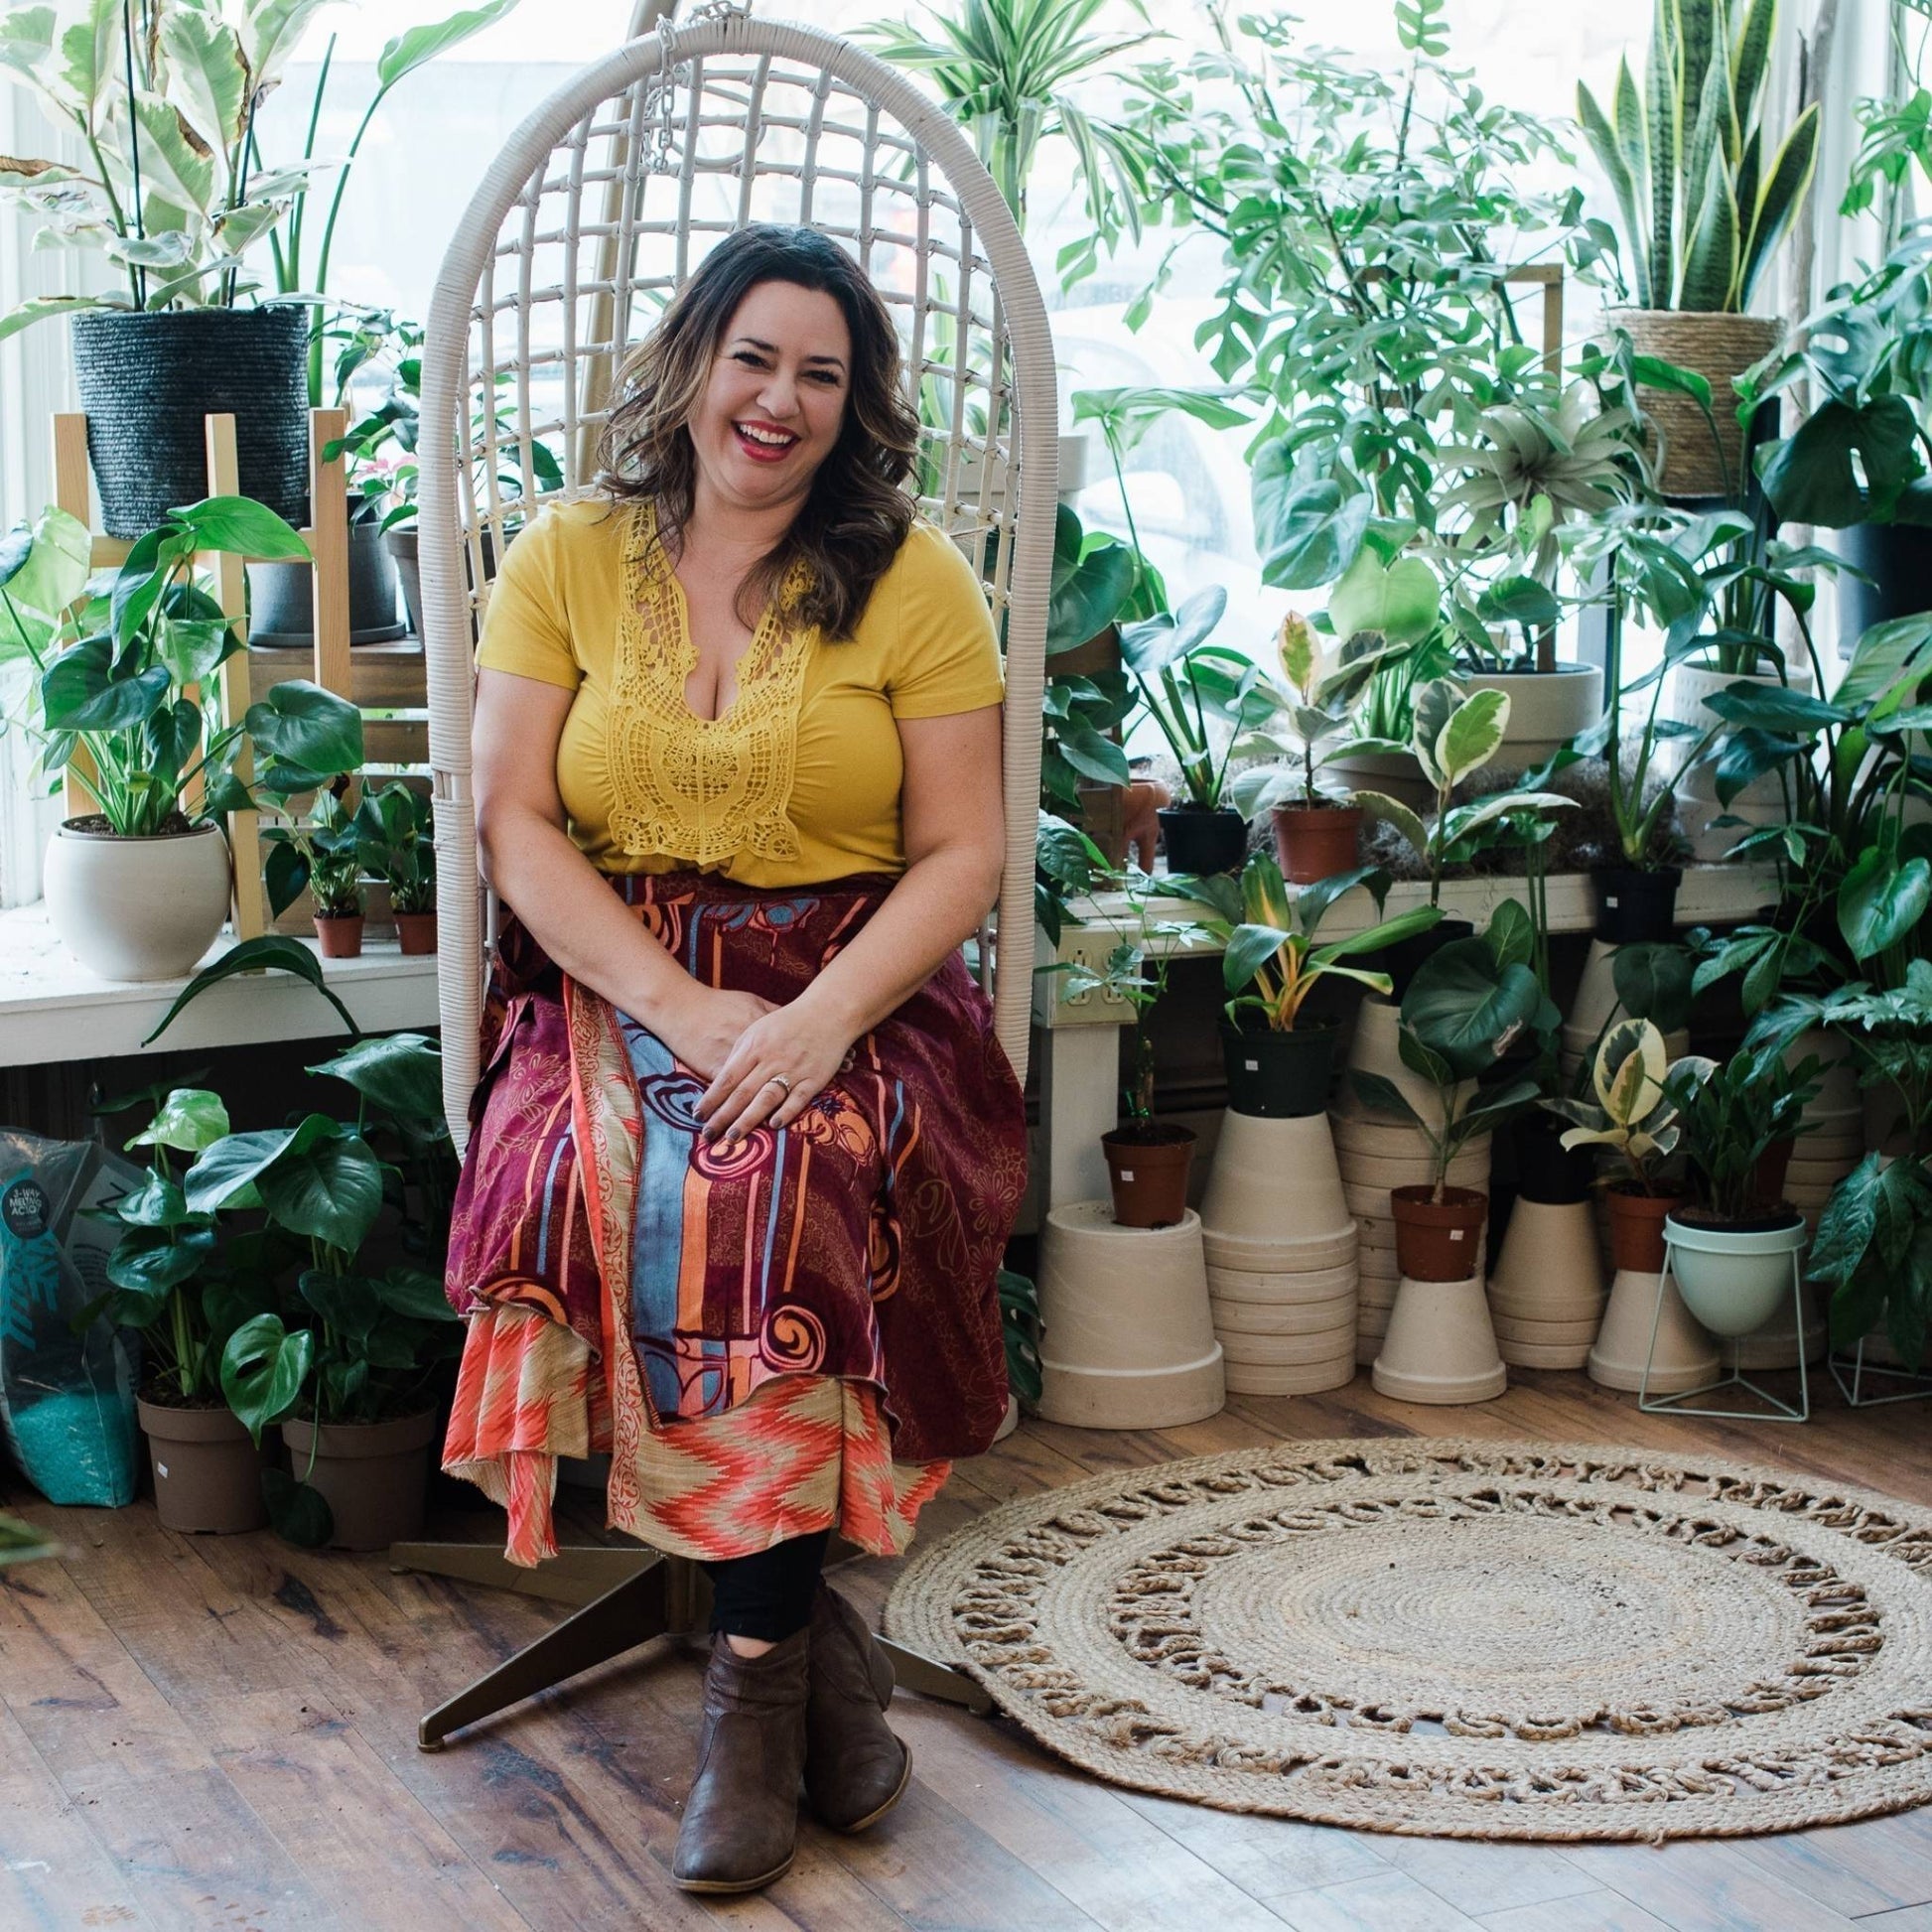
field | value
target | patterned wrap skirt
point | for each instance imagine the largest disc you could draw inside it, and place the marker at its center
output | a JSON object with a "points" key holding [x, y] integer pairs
{"points": [[797, 1332]]}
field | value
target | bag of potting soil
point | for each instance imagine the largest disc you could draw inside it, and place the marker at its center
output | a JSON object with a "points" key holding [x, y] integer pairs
{"points": [[67, 1399]]}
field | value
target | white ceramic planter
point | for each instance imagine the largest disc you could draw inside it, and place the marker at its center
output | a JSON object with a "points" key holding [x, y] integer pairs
{"points": [[1597, 1008], [1249, 1319], [1264, 1378], [1274, 1181], [1270, 1257], [1547, 1292], [1439, 1347], [1685, 1356], [1128, 1339], [137, 908], [1731, 1282], [1376, 1048], [1292, 1352], [1545, 708], [1279, 1290]]}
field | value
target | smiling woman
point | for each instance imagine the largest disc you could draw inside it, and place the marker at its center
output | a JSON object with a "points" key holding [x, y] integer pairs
{"points": [[747, 1148]]}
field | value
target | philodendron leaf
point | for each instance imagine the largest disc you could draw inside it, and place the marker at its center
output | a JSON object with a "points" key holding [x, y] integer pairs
{"points": [[1882, 901], [329, 1191], [190, 1119], [1399, 600], [402, 1073], [263, 1369]]}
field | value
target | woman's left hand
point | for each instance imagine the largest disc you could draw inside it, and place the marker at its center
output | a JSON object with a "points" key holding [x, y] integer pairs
{"points": [[800, 1041]]}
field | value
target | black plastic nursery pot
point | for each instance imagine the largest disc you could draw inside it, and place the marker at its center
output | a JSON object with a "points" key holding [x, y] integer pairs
{"points": [[1545, 1173], [1203, 842], [1635, 906], [1898, 557], [281, 596], [1280, 1076], [1405, 958], [147, 381]]}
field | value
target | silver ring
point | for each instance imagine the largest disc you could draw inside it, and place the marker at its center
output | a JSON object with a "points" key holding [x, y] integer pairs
{"points": [[780, 1080]]}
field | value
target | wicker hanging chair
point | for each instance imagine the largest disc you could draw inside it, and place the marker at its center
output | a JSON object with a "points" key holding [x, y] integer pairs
{"points": [[600, 206]]}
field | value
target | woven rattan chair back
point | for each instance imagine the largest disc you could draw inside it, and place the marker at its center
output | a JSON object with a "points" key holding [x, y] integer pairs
{"points": [[600, 206]]}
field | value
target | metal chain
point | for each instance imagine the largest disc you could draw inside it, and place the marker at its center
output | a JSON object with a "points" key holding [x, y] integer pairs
{"points": [[660, 156]]}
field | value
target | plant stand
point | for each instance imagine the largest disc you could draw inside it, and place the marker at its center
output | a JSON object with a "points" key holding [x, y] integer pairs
{"points": [[1681, 1355], [1440, 1347], [1684, 1402], [1853, 1392]]}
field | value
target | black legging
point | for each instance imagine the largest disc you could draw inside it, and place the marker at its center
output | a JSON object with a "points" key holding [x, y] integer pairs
{"points": [[767, 1596]]}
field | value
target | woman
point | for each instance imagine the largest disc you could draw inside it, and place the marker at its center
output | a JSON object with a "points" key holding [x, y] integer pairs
{"points": [[746, 1152]]}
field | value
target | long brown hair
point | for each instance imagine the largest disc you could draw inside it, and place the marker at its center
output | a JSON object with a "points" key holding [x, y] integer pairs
{"points": [[857, 513]]}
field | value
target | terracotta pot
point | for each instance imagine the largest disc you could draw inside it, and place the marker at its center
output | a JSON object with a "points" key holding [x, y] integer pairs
{"points": [[1127, 1338], [136, 908], [1103, 818], [339, 935], [1149, 1178], [1439, 1347], [374, 1477], [1140, 821], [1638, 1228], [208, 1472], [1316, 842], [416, 931], [1438, 1240]]}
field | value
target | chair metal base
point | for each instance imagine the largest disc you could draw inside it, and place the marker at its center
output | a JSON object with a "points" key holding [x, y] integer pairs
{"points": [[624, 1597], [1684, 1402]]}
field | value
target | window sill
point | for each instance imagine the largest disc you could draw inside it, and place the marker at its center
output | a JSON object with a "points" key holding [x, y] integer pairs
{"points": [[52, 1009]]}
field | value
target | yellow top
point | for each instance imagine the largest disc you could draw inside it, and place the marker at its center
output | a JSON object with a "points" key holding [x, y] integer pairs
{"points": [[798, 782]]}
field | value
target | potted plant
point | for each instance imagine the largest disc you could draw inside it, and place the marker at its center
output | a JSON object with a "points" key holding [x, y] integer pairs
{"points": [[167, 1281], [1731, 1243], [1147, 1161], [1464, 1007], [1453, 736], [124, 696], [1629, 1112], [177, 213], [1171, 663], [319, 849], [1704, 194], [348, 1365], [396, 842], [1315, 835], [1278, 1058]]}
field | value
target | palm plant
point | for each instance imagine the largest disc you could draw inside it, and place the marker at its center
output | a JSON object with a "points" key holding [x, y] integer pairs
{"points": [[1704, 204], [1001, 67]]}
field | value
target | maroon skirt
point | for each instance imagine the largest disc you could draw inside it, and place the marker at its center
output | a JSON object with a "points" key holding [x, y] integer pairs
{"points": [[862, 1240]]}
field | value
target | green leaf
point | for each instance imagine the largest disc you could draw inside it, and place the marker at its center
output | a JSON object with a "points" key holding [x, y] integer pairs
{"points": [[264, 1368], [54, 569], [1380, 1092], [1308, 530], [267, 953], [1467, 1008], [1653, 982], [190, 1119], [416, 1294], [1882, 901], [1091, 580], [1380, 808], [242, 527], [298, 1512], [152, 1260], [1400, 600], [157, 1202], [170, 167], [329, 1188], [206, 79], [1774, 707], [1511, 936], [1473, 734], [1519, 600], [1843, 462], [421, 44], [401, 1073]]}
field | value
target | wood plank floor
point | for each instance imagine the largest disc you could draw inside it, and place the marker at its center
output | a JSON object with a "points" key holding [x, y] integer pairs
{"points": [[219, 1732]]}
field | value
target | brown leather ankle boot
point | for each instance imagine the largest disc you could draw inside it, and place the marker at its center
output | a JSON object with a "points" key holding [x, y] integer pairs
{"points": [[856, 1769], [740, 1821]]}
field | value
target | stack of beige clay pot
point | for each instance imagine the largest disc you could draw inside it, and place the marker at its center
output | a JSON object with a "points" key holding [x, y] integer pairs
{"points": [[1281, 1250], [1377, 1151]]}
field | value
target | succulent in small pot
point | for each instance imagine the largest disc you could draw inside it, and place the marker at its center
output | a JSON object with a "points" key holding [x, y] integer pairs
{"points": [[1463, 1010], [1278, 1059], [1730, 1249]]}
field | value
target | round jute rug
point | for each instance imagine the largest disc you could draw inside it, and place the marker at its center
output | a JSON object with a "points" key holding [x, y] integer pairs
{"points": [[1458, 1639]]}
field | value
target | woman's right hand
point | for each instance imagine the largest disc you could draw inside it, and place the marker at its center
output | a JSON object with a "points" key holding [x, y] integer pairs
{"points": [[703, 1023]]}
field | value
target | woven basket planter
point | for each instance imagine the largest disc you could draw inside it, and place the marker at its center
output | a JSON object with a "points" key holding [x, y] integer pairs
{"points": [[1717, 347], [146, 383]]}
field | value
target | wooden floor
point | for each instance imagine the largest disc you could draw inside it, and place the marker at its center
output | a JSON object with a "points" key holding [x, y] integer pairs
{"points": [[219, 1733]]}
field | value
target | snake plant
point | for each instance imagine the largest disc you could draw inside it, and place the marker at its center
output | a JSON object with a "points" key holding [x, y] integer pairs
{"points": [[1704, 206]]}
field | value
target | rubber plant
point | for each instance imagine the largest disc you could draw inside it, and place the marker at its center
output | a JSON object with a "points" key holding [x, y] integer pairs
{"points": [[1454, 736], [1629, 1109]]}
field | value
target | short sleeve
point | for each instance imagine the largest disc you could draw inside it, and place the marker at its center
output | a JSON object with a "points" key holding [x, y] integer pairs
{"points": [[947, 656], [526, 625]]}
